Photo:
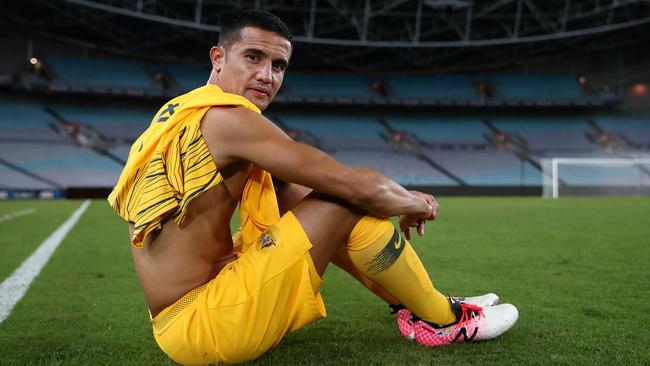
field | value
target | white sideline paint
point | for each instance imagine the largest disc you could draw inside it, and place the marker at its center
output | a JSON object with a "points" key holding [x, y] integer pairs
{"points": [[10, 216], [15, 286]]}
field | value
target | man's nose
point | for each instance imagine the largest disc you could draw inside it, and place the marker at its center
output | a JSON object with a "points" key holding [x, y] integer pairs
{"points": [[265, 74]]}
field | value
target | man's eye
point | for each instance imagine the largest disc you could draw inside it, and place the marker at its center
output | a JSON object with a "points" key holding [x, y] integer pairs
{"points": [[279, 66], [253, 58]]}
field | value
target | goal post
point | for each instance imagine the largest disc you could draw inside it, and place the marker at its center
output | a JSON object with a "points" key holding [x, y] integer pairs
{"points": [[595, 176]]}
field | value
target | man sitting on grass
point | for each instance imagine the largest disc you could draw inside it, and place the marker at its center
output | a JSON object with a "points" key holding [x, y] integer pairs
{"points": [[215, 297]]}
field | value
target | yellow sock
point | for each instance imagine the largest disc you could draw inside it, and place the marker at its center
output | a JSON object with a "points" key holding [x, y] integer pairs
{"points": [[385, 257], [343, 261]]}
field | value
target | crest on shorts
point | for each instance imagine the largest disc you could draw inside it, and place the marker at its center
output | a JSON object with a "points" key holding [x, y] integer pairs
{"points": [[266, 240]]}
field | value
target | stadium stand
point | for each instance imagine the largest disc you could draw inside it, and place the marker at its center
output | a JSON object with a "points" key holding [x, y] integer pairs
{"points": [[401, 167], [339, 131], [110, 121], [26, 121], [633, 129], [65, 165], [541, 86], [418, 146], [441, 129], [304, 85], [101, 73], [120, 151], [430, 86], [187, 77], [11, 178], [543, 135], [121, 77], [487, 168]]}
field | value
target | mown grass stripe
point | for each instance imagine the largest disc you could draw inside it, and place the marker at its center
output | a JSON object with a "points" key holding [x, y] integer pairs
{"points": [[15, 286], [10, 216]]}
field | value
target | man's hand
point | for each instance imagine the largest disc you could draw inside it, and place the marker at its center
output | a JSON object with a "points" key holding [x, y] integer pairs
{"points": [[406, 222]]}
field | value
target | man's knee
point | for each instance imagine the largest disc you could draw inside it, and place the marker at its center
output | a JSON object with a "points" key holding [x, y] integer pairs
{"points": [[371, 229], [322, 213]]}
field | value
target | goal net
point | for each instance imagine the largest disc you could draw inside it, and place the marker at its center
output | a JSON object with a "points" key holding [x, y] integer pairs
{"points": [[595, 177]]}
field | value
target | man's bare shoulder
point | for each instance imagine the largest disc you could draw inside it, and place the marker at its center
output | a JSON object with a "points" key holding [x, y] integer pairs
{"points": [[230, 132], [231, 124], [232, 117]]}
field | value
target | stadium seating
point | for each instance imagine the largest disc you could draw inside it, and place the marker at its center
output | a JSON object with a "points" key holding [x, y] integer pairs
{"points": [[65, 165], [121, 151], [634, 129], [487, 168], [454, 143], [338, 131], [443, 130], [187, 77], [26, 121], [541, 86], [138, 78], [102, 73], [546, 134], [10, 178], [324, 85], [431, 86], [403, 168], [110, 121]]}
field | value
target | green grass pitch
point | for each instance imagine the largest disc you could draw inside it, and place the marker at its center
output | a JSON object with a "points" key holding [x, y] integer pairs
{"points": [[578, 269]]}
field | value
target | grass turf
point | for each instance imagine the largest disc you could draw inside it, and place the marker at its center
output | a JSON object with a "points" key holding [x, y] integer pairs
{"points": [[576, 268]]}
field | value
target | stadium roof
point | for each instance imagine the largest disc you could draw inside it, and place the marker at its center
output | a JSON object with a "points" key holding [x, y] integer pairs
{"points": [[361, 35]]}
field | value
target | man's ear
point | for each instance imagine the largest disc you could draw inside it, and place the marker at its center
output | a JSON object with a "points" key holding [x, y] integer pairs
{"points": [[217, 57]]}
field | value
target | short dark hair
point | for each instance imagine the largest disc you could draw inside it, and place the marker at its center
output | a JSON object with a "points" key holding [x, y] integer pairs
{"points": [[233, 23]]}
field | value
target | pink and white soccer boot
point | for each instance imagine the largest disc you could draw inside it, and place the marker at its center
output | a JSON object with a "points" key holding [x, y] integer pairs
{"points": [[405, 318], [474, 323]]}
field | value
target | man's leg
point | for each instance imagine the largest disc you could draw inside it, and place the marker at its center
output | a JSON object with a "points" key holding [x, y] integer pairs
{"points": [[386, 261], [328, 223], [377, 251]]}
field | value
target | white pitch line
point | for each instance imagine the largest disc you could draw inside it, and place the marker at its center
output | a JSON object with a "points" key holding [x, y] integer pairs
{"points": [[15, 286], [10, 216]]}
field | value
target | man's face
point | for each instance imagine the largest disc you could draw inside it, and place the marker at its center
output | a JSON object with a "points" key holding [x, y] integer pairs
{"points": [[253, 66]]}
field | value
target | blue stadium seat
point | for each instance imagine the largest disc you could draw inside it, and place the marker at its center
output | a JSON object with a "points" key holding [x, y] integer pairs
{"points": [[431, 86], [66, 165], [121, 151], [13, 179], [547, 133], [488, 168], [635, 129], [21, 120], [540, 86], [403, 168], [324, 85], [110, 121], [339, 126], [188, 77], [441, 129], [102, 73], [338, 131]]}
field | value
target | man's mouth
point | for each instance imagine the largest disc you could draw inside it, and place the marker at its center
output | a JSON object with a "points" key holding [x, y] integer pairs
{"points": [[260, 92]]}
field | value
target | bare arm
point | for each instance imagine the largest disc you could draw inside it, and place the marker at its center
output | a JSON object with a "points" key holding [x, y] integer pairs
{"points": [[238, 134]]}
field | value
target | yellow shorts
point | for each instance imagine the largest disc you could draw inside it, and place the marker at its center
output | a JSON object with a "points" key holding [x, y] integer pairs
{"points": [[270, 290]]}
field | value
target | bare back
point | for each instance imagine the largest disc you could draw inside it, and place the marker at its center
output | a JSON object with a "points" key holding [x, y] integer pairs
{"points": [[177, 259]]}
